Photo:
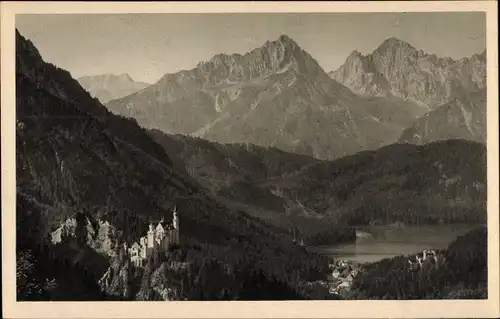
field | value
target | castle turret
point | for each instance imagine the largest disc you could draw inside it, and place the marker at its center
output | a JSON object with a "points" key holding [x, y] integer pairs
{"points": [[175, 224], [159, 234], [143, 251], [150, 239], [175, 220]]}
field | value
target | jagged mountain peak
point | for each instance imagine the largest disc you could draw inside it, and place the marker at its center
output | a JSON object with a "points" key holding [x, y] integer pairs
{"points": [[394, 42], [358, 58], [283, 43], [397, 68], [282, 39], [355, 53], [481, 56], [277, 56], [285, 39], [396, 49]]}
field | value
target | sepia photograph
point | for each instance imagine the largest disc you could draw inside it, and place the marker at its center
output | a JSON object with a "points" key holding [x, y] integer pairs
{"points": [[251, 156]]}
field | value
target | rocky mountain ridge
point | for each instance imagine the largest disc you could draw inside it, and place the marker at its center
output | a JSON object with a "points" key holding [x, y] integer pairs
{"points": [[397, 68], [462, 118]]}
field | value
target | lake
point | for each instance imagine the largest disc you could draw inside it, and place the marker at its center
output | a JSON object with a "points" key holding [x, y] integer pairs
{"points": [[381, 242]]}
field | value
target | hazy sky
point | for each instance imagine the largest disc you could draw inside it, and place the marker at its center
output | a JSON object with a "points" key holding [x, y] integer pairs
{"points": [[149, 45]]}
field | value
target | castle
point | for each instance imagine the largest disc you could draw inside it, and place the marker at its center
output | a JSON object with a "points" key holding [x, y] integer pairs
{"points": [[294, 231], [157, 239], [427, 254]]}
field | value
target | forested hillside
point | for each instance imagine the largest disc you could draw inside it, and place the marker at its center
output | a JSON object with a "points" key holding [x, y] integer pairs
{"points": [[440, 182], [235, 173], [433, 183], [461, 273]]}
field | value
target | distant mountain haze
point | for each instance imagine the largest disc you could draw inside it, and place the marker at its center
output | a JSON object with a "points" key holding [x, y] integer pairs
{"points": [[276, 95], [108, 87], [397, 68]]}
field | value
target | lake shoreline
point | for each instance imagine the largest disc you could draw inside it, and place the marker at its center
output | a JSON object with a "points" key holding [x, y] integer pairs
{"points": [[379, 242]]}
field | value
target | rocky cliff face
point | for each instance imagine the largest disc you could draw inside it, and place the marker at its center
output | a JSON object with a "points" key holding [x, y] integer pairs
{"points": [[360, 75], [398, 68], [461, 118], [276, 95], [100, 236], [108, 87]]}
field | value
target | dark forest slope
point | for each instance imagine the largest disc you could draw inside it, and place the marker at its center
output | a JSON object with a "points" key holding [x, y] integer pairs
{"points": [[438, 182], [236, 172], [461, 273]]}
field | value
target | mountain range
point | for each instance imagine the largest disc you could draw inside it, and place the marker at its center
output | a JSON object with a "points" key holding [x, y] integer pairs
{"points": [[274, 96], [279, 96], [108, 87]]}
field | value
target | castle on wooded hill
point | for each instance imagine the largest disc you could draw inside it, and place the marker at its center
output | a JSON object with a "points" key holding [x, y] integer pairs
{"points": [[157, 239]]}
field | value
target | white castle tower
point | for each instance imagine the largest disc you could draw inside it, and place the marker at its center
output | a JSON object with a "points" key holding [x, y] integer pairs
{"points": [[143, 243], [150, 239], [175, 224], [175, 220]]}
